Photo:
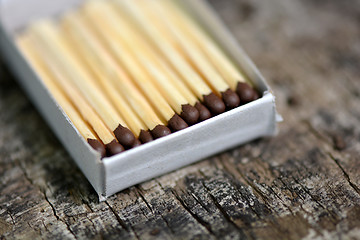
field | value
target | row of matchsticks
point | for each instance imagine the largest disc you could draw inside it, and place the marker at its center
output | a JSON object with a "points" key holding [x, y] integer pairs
{"points": [[128, 72]]}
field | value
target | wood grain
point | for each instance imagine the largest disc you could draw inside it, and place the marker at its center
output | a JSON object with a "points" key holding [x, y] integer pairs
{"points": [[302, 184]]}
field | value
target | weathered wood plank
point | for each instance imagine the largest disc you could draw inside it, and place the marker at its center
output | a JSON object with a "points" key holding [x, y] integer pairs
{"points": [[302, 184]]}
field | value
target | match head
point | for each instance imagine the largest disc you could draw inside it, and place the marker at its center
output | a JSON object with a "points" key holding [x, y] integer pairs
{"points": [[190, 114], [114, 148], [214, 103], [231, 99], [136, 143], [160, 131], [204, 113], [124, 136], [98, 146], [145, 136], [246, 92], [176, 123]]}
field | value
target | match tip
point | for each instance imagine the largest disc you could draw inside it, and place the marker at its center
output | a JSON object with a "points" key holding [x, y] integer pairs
{"points": [[190, 114], [246, 92], [114, 148], [160, 131], [231, 99], [136, 143], [124, 136], [176, 123], [204, 113], [98, 146], [214, 103], [145, 136]]}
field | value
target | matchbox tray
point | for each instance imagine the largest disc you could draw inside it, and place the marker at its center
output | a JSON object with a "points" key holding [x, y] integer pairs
{"points": [[113, 174]]}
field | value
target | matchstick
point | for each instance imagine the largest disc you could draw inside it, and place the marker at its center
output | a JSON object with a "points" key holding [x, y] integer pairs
{"points": [[160, 17], [50, 77], [117, 78], [83, 43], [131, 36], [220, 61], [94, 14], [52, 43], [157, 76], [203, 112], [183, 68]]}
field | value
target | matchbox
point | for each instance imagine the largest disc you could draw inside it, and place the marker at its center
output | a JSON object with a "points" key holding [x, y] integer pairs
{"points": [[113, 174]]}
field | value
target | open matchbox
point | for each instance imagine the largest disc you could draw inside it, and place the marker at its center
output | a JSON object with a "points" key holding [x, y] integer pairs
{"points": [[113, 174]]}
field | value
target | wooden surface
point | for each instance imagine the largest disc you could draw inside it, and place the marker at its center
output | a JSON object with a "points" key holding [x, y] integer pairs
{"points": [[302, 184]]}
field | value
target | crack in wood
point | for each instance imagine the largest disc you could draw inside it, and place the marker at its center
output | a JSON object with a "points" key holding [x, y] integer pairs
{"points": [[118, 218], [197, 218], [166, 222], [223, 211], [346, 175], [52, 207], [138, 190], [336, 161]]}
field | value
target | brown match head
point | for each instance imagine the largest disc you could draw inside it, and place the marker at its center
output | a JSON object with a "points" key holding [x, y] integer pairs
{"points": [[98, 146], [176, 123], [114, 148], [136, 143], [214, 104], [256, 95], [145, 136], [231, 99], [246, 93], [204, 113], [190, 114], [160, 131], [124, 136]]}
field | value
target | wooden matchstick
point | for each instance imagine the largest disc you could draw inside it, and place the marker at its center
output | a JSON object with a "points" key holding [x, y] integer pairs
{"points": [[116, 77], [183, 68], [220, 61], [173, 80], [52, 43], [82, 113], [83, 43], [160, 17], [95, 13], [160, 78]]}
